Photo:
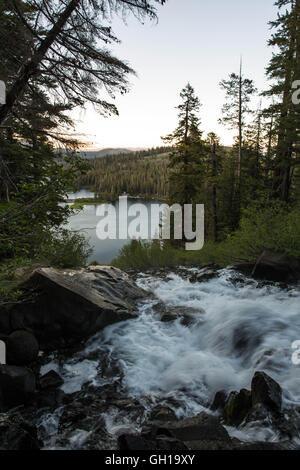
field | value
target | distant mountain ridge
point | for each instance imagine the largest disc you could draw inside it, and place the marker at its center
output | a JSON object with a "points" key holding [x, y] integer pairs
{"points": [[104, 152]]}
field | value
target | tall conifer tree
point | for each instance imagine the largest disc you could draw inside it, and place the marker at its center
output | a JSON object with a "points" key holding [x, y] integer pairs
{"points": [[239, 91], [284, 70], [185, 159]]}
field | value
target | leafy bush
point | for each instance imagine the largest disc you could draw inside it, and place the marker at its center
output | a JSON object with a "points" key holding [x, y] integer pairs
{"points": [[144, 254], [274, 228], [12, 273], [94, 263], [153, 254], [65, 249]]}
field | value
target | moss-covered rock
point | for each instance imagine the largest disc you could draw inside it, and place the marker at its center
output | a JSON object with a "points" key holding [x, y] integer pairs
{"points": [[237, 407]]}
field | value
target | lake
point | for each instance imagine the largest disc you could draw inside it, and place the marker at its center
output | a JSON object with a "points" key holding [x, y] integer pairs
{"points": [[85, 221]]}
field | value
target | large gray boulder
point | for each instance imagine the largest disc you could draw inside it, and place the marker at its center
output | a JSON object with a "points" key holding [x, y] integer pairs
{"points": [[277, 267], [272, 266], [71, 305]]}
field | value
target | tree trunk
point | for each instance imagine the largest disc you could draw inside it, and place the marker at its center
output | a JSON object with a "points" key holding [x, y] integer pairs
{"points": [[286, 138], [214, 196], [240, 126]]}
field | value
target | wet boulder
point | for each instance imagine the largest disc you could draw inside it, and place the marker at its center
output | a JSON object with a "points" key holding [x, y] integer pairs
{"points": [[288, 423], [22, 348], [162, 414], [272, 266], [262, 417], [244, 268], [266, 391], [17, 386], [186, 315], [201, 427], [157, 419], [219, 401], [202, 432], [237, 407], [50, 398], [277, 267], [205, 274], [50, 380], [17, 434], [68, 306]]}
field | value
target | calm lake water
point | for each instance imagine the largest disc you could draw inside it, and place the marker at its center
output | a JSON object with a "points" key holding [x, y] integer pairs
{"points": [[86, 221]]}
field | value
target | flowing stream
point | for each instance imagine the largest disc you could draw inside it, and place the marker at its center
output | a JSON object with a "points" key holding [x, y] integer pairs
{"points": [[238, 328]]}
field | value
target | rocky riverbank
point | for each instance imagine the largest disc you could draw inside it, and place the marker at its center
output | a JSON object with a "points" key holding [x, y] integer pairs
{"points": [[69, 384]]}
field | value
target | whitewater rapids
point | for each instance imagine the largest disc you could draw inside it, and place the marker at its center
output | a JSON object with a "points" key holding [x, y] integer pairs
{"points": [[239, 327]]}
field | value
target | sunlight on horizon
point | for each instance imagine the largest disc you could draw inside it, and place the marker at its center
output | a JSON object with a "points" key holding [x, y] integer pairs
{"points": [[191, 43]]}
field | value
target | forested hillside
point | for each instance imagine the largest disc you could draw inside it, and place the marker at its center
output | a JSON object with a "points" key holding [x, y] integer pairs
{"points": [[89, 154], [143, 173]]}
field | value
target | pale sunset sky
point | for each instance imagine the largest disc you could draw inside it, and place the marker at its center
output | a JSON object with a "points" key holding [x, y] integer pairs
{"points": [[194, 41]]}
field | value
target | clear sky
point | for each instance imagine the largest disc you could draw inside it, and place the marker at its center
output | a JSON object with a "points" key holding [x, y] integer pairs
{"points": [[196, 41]]}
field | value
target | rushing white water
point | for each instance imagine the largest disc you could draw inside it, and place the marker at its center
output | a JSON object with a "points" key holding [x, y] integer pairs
{"points": [[239, 328], [243, 329]]}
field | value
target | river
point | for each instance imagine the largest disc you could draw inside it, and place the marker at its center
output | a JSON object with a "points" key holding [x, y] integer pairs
{"points": [[239, 327]]}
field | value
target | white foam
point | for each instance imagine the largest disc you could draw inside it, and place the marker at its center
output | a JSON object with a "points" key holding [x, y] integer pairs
{"points": [[74, 373], [244, 328]]}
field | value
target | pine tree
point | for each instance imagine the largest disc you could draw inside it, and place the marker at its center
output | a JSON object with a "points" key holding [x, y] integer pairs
{"points": [[283, 70], [185, 160], [213, 142], [239, 91], [67, 55]]}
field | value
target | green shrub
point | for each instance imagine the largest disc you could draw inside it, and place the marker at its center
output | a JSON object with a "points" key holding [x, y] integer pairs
{"points": [[142, 254], [154, 254], [12, 274], [64, 249], [94, 263], [274, 228]]}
